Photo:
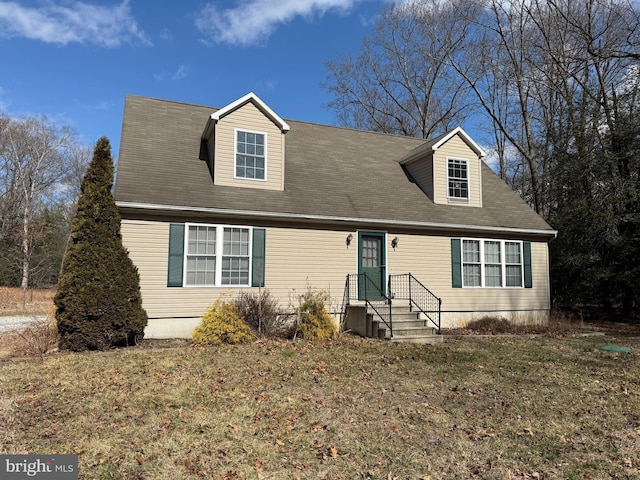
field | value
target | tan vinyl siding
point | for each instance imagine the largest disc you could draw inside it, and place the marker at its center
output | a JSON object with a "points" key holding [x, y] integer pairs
{"points": [[428, 258], [422, 172], [299, 257], [458, 149], [248, 118], [295, 258]]}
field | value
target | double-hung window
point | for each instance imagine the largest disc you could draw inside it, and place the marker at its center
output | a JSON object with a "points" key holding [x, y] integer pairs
{"points": [[251, 155], [235, 256], [492, 263], [458, 178], [206, 255], [201, 255], [217, 255]]}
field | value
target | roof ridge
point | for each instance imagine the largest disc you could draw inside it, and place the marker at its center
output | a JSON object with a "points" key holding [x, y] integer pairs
{"points": [[288, 120]]}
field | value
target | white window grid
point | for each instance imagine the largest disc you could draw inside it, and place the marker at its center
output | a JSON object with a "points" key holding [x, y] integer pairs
{"points": [[492, 259], [457, 178], [223, 262], [250, 157]]}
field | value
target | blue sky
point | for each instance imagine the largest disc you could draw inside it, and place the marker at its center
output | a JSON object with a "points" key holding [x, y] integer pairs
{"points": [[75, 61]]}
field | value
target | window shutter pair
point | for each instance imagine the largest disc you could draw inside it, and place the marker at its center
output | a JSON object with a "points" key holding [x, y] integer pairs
{"points": [[176, 256], [456, 263]]}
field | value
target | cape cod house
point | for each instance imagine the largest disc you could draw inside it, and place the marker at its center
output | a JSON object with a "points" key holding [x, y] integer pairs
{"points": [[215, 201]]}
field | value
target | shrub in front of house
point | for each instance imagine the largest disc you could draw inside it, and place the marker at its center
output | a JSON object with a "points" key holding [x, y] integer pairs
{"points": [[98, 300], [313, 321], [491, 325], [261, 312], [221, 323]]}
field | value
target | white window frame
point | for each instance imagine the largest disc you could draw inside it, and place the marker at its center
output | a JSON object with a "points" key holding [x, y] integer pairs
{"points": [[450, 179], [219, 255], [236, 153], [483, 263]]}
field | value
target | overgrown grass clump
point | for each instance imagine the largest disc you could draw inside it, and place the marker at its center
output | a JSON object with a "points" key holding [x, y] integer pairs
{"points": [[491, 325]]}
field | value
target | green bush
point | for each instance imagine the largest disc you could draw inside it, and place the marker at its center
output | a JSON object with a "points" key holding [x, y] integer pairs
{"points": [[98, 301], [313, 322], [221, 323], [261, 312]]}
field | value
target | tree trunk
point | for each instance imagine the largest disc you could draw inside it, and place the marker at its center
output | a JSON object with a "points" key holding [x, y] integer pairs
{"points": [[25, 250]]}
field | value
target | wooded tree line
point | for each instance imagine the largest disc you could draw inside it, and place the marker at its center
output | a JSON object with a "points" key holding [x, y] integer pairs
{"points": [[41, 168], [553, 85]]}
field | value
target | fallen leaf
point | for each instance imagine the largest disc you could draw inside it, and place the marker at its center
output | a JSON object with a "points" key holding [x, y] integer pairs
{"points": [[259, 466], [279, 442]]}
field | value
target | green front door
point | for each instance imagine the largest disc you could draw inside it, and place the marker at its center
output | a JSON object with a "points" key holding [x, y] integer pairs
{"points": [[371, 261]]}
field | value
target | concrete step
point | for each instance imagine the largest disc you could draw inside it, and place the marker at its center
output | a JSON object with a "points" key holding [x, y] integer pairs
{"points": [[404, 323], [402, 331], [404, 316], [423, 339]]}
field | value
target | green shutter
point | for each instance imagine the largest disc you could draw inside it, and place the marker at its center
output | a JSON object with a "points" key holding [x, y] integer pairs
{"points": [[456, 263], [176, 255], [526, 252], [258, 258]]}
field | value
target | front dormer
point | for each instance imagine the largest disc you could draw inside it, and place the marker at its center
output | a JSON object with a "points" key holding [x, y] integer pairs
{"points": [[448, 169], [245, 145]]}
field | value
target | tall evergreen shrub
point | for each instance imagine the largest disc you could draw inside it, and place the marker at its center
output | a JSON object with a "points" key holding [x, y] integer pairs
{"points": [[98, 302]]}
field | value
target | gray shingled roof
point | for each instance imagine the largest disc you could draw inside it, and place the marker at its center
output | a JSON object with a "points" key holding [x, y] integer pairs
{"points": [[330, 172]]}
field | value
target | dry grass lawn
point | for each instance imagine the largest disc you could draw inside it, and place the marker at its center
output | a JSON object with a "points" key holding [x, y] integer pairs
{"points": [[493, 408], [15, 301]]}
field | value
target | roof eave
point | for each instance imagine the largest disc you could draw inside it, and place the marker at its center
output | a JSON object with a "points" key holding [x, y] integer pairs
{"points": [[146, 207]]}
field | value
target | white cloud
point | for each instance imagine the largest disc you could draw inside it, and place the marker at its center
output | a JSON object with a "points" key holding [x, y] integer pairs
{"points": [[106, 26], [183, 71], [252, 21], [268, 84]]}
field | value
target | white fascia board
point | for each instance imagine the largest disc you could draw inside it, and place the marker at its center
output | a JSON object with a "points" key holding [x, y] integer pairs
{"points": [[251, 97], [327, 218], [469, 141]]}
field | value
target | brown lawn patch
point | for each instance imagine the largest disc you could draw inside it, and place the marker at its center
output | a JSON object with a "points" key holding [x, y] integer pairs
{"points": [[15, 301], [353, 408]]}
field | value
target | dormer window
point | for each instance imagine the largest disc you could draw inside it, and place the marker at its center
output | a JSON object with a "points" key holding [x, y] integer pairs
{"points": [[458, 178], [250, 155]]}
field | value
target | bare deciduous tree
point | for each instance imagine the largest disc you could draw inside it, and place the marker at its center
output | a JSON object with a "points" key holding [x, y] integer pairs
{"points": [[34, 166], [400, 82]]}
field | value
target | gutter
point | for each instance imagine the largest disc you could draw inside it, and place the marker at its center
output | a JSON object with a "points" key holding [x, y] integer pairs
{"points": [[330, 219]]}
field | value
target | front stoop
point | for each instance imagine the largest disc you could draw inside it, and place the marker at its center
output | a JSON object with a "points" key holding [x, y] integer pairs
{"points": [[407, 326]]}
